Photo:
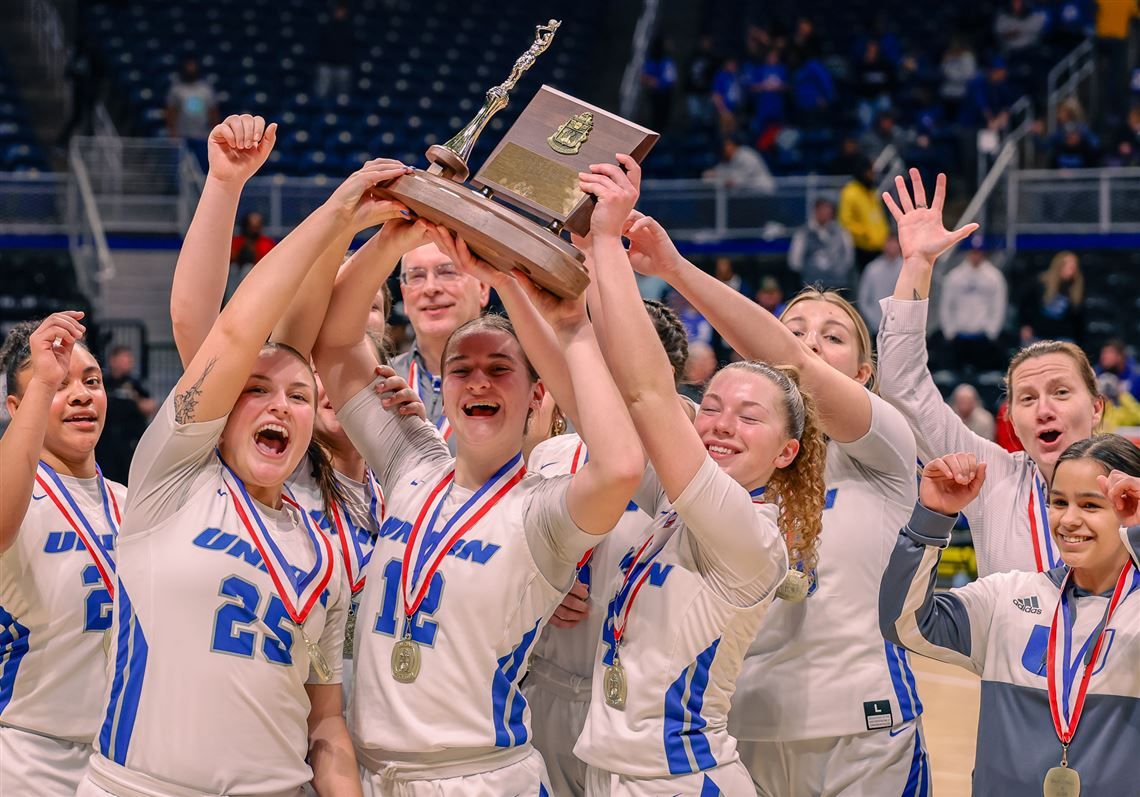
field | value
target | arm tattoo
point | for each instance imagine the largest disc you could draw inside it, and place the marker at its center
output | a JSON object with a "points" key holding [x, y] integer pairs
{"points": [[917, 298], [187, 401]]}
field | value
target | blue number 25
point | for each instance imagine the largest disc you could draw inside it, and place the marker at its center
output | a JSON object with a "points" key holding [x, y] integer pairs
{"points": [[235, 624]]}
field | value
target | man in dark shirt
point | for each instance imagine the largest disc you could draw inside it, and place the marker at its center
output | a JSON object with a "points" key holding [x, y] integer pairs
{"points": [[129, 409]]}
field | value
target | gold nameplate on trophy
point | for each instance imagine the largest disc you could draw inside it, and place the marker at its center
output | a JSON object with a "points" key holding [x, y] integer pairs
{"points": [[528, 188]]}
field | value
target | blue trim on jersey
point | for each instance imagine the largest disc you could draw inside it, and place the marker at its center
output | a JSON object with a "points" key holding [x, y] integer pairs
{"points": [[902, 679], [13, 646], [507, 702], [683, 721], [126, 684], [709, 788], [918, 779], [542, 792]]}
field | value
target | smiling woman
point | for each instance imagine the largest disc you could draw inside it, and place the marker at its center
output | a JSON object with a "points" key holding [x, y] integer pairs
{"points": [[58, 521]]}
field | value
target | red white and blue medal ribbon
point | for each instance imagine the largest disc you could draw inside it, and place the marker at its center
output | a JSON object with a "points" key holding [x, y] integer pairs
{"points": [[630, 586], [298, 591], [50, 482], [435, 545], [376, 505], [442, 424], [577, 461], [355, 557], [1061, 668], [1045, 556]]}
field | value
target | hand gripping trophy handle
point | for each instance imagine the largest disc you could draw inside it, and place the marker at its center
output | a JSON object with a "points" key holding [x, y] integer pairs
{"points": [[450, 159]]}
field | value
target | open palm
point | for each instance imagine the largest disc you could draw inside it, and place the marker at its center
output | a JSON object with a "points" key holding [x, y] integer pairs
{"points": [[922, 233]]}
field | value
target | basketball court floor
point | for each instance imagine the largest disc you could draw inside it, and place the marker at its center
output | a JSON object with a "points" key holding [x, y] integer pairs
{"points": [[950, 719]]}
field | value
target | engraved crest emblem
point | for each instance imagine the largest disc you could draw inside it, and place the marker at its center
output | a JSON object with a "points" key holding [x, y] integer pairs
{"points": [[572, 134]]}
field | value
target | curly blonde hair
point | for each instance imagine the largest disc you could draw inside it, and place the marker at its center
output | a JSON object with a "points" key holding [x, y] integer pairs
{"points": [[798, 488]]}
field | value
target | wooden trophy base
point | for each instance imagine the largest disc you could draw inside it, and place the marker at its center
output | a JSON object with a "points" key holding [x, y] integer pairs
{"points": [[501, 237]]}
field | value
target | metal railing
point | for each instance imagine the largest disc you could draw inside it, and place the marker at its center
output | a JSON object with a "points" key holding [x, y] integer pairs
{"points": [[631, 79], [33, 204], [1065, 78], [136, 182], [1077, 201], [46, 29], [87, 240]]}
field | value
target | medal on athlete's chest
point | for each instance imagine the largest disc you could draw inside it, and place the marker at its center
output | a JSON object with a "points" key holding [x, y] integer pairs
{"points": [[614, 685], [795, 587], [1062, 782], [615, 681], [426, 549]]}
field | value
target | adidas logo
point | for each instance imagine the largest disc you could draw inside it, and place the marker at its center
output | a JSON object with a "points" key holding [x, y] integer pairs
{"points": [[1028, 605]]}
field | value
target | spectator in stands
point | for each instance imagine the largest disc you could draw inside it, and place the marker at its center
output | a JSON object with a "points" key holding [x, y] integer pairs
{"points": [[805, 41], [1127, 146], [1114, 20], [699, 369], [972, 307], [697, 329], [335, 53], [728, 94], [658, 78], [251, 243], [874, 82], [1120, 407], [1053, 308], [967, 405], [699, 84], [1115, 361], [129, 408], [84, 70], [849, 158], [990, 98], [861, 214], [724, 271], [770, 296], [959, 68], [1019, 28], [822, 252], [812, 88], [767, 83], [1073, 147], [878, 281], [885, 133], [191, 110], [741, 167], [1070, 23]]}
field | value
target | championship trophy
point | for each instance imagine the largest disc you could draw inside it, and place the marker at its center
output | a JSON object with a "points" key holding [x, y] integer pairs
{"points": [[527, 191]]}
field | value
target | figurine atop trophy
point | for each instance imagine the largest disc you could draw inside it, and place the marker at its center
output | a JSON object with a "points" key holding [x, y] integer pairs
{"points": [[527, 192]]}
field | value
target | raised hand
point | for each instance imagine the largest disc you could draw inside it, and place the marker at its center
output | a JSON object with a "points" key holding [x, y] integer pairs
{"points": [[403, 234], [467, 261], [1124, 493], [239, 146], [922, 235], [651, 250], [396, 395], [951, 482], [574, 607], [616, 192], [51, 346], [355, 199]]}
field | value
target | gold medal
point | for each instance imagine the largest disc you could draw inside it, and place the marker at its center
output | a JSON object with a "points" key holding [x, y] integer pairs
{"points": [[795, 587], [1062, 782], [614, 685], [406, 661], [317, 659], [349, 630]]}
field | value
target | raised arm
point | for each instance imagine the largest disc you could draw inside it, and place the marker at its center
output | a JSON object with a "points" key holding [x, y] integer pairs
{"points": [[236, 148], [23, 440], [344, 357], [843, 406], [636, 359], [215, 376]]}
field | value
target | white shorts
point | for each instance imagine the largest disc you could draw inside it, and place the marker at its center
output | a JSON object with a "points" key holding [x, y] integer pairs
{"points": [[873, 764], [107, 779], [38, 765], [730, 780], [524, 778], [559, 702]]}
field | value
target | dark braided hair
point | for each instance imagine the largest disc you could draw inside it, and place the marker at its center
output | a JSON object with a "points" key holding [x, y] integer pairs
{"points": [[16, 353], [672, 334]]}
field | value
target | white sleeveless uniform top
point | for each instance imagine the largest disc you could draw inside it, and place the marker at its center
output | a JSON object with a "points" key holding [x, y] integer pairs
{"points": [[711, 568], [574, 649], [483, 608], [820, 668], [208, 670], [1009, 520], [55, 611]]}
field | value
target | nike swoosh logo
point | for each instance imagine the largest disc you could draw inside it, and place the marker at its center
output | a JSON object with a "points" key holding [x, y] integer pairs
{"points": [[547, 465], [38, 497], [222, 493], [893, 733], [414, 482]]}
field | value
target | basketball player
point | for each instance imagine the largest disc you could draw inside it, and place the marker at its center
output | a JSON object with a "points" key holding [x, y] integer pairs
{"points": [[823, 705], [1056, 651], [473, 556], [689, 596], [1053, 399], [229, 622], [58, 521]]}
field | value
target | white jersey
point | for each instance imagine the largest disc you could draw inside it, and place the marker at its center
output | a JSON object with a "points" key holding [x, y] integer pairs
{"points": [[1009, 521], [482, 609], [998, 628], [700, 583], [820, 668], [574, 649], [208, 667], [55, 610]]}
